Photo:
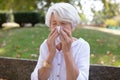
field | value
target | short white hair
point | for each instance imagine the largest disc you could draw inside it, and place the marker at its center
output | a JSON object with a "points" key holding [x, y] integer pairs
{"points": [[65, 11]]}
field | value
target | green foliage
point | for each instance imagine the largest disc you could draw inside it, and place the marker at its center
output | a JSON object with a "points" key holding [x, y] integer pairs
{"points": [[83, 18], [112, 22], [24, 5], [18, 5], [54, 1], [109, 10], [25, 43], [98, 18]]}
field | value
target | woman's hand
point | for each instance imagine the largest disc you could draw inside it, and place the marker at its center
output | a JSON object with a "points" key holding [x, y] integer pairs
{"points": [[51, 41], [71, 68], [44, 72], [66, 40]]}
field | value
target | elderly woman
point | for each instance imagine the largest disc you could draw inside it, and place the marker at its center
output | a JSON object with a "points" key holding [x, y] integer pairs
{"points": [[62, 57]]}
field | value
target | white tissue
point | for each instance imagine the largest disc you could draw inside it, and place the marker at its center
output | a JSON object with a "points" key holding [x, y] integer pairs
{"points": [[58, 29], [57, 40]]}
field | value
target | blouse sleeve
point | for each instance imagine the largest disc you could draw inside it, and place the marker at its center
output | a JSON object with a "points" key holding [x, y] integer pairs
{"points": [[42, 57], [83, 61]]}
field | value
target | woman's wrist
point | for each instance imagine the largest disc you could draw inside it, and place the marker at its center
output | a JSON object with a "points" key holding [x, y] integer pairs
{"points": [[67, 52], [50, 58], [46, 64]]}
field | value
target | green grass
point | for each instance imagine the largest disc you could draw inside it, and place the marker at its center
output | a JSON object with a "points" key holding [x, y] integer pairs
{"points": [[105, 47], [25, 43], [22, 42]]}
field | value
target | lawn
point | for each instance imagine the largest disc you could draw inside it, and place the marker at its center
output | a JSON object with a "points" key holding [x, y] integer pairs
{"points": [[25, 43]]}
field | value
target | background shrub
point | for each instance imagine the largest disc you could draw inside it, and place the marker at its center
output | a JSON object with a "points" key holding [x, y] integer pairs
{"points": [[23, 18], [28, 17], [3, 18]]}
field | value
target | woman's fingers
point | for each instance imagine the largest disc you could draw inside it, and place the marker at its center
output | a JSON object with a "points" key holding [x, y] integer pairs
{"points": [[67, 32], [51, 32], [51, 41], [54, 35], [63, 35]]}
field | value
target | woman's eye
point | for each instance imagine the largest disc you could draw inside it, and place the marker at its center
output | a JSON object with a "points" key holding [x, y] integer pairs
{"points": [[63, 23], [53, 24]]}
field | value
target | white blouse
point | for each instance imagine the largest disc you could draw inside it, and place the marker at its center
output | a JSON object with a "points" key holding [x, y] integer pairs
{"points": [[81, 54]]}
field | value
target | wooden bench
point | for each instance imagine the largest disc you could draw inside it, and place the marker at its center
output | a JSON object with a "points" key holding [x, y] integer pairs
{"points": [[20, 69]]}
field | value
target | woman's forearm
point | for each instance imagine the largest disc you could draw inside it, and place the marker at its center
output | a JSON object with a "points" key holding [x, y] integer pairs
{"points": [[44, 72], [72, 71]]}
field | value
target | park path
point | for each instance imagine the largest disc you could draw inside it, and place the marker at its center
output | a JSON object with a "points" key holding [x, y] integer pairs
{"points": [[116, 32]]}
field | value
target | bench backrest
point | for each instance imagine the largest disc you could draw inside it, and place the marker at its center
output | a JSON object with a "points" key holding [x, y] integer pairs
{"points": [[20, 69]]}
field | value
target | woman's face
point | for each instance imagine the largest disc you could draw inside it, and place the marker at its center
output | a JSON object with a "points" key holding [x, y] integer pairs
{"points": [[55, 21]]}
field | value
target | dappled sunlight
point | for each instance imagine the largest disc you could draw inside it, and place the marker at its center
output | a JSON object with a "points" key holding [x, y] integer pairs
{"points": [[116, 32], [2, 51], [9, 25], [106, 59]]}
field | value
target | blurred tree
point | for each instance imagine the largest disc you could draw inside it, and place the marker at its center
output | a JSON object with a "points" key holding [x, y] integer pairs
{"points": [[98, 18], [78, 6], [39, 5], [17, 5], [110, 10], [44, 4], [53, 1]]}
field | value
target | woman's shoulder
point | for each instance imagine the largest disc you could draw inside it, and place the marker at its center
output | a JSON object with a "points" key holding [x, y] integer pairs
{"points": [[44, 44], [80, 41]]}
